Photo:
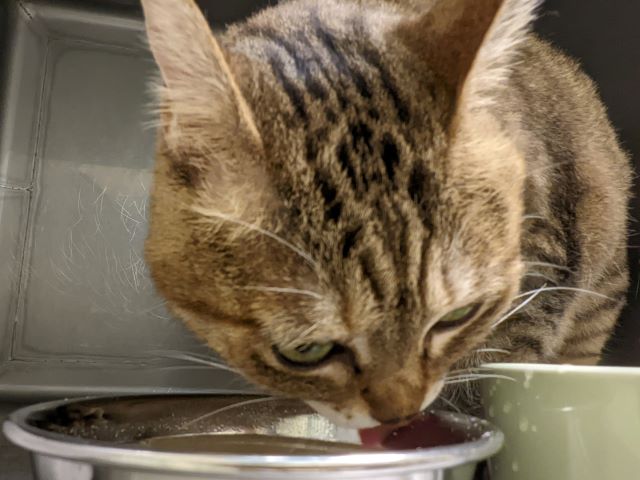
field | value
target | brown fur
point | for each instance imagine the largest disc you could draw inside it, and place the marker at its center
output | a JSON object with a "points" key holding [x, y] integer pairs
{"points": [[352, 171]]}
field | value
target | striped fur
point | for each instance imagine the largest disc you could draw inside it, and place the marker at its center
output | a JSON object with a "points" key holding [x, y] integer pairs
{"points": [[340, 175]]}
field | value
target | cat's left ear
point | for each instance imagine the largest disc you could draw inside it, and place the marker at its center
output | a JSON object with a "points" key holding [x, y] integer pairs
{"points": [[209, 137], [470, 44], [200, 86]]}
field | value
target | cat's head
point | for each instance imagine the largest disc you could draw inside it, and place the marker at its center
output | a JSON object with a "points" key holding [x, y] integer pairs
{"points": [[335, 210]]}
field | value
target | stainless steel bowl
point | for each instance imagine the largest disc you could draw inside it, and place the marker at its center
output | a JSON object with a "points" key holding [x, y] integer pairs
{"points": [[227, 437]]}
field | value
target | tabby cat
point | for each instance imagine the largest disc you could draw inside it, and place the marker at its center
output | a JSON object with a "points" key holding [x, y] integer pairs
{"points": [[355, 199]]}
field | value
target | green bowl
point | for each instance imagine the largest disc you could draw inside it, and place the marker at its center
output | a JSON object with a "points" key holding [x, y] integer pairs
{"points": [[564, 422]]}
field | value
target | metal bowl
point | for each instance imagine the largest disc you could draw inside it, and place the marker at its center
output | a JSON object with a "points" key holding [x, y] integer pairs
{"points": [[230, 437]]}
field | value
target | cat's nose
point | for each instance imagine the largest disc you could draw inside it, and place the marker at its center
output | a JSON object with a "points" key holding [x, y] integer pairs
{"points": [[394, 401]]}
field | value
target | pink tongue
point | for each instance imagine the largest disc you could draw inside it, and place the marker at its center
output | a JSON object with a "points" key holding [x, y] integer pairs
{"points": [[424, 432], [373, 437]]}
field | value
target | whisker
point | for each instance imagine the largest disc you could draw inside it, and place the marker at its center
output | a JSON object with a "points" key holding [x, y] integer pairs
{"points": [[515, 310], [473, 378], [227, 408], [570, 289], [492, 350], [294, 343], [294, 291], [533, 217], [193, 358], [262, 231], [548, 265], [469, 370], [540, 275], [450, 403]]}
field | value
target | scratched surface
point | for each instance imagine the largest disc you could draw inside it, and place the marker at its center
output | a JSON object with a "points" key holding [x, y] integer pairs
{"points": [[89, 290], [75, 174]]}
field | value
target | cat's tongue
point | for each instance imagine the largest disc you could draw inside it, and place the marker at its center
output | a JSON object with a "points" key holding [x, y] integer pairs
{"points": [[424, 432], [373, 437]]}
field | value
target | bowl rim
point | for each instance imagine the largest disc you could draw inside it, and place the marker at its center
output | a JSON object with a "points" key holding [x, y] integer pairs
{"points": [[51, 444], [564, 368]]}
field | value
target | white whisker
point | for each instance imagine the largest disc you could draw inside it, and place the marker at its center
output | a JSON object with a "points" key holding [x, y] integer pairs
{"points": [[473, 378], [548, 265], [451, 404], [294, 291], [469, 370], [533, 217], [569, 289], [539, 275], [515, 310], [493, 350], [193, 358], [262, 231], [301, 337]]}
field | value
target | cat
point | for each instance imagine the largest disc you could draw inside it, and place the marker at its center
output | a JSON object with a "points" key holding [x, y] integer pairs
{"points": [[356, 201]]}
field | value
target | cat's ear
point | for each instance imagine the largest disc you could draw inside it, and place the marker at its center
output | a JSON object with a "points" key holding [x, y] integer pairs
{"points": [[200, 87], [208, 134], [471, 44]]}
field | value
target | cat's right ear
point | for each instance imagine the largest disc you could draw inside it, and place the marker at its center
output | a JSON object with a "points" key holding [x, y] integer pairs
{"points": [[470, 44], [200, 89]]}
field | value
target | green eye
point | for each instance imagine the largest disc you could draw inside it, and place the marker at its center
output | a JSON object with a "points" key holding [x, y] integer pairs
{"points": [[306, 355], [458, 316]]}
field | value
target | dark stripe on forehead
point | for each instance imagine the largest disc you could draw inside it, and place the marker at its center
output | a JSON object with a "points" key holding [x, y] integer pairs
{"points": [[314, 140], [294, 50], [340, 61], [296, 96], [373, 58], [329, 192], [350, 241], [332, 204], [422, 191], [390, 156], [361, 137], [344, 158]]}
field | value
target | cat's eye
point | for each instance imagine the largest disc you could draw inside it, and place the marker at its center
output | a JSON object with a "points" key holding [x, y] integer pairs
{"points": [[306, 355], [459, 316]]}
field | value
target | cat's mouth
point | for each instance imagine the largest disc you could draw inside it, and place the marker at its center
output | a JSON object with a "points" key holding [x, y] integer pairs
{"points": [[359, 416], [424, 431]]}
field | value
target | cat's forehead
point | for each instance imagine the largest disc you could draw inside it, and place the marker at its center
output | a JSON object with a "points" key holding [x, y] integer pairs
{"points": [[316, 68], [339, 110]]}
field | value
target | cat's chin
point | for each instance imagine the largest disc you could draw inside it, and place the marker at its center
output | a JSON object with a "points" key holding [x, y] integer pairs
{"points": [[352, 419]]}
